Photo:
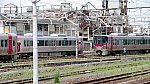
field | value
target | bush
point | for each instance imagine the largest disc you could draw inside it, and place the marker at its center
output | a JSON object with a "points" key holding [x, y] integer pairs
{"points": [[57, 77]]}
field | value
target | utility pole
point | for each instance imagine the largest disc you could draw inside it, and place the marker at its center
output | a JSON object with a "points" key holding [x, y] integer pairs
{"points": [[76, 34], [35, 50], [123, 7]]}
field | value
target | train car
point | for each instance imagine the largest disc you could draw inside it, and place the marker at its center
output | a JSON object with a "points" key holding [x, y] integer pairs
{"points": [[49, 45], [114, 44], [8, 46]]}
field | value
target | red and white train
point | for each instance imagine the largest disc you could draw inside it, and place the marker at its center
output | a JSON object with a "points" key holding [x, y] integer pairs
{"points": [[115, 44], [8, 46], [13, 46], [49, 45]]}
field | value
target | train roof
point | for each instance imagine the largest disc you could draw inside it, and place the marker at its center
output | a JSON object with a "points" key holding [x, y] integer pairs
{"points": [[118, 34], [49, 37], [127, 36], [6, 34], [136, 34], [58, 35]]}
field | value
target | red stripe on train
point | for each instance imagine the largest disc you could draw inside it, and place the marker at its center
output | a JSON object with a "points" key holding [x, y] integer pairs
{"points": [[18, 44], [9, 44], [111, 43]]}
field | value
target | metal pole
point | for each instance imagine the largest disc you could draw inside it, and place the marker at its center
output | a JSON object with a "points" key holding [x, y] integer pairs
{"points": [[35, 54], [76, 34], [10, 23], [88, 33]]}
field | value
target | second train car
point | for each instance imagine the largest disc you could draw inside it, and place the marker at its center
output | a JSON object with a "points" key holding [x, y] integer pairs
{"points": [[115, 44]]}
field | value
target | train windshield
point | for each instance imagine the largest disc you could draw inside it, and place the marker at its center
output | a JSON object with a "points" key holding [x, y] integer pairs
{"points": [[100, 39]]}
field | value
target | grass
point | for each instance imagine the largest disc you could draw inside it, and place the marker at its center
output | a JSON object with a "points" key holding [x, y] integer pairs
{"points": [[102, 69]]}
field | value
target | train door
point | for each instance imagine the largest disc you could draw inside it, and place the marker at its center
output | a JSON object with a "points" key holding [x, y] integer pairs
{"points": [[14, 44], [18, 46], [10, 49], [110, 44], [53, 42]]}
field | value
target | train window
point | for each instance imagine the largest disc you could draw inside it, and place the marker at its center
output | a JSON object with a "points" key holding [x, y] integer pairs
{"points": [[115, 42], [99, 41], [129, 41], [46, 42], [64, 42], [134, 41], [149, 41], [14, 42], [31, 43], [57, 43], [120, 42], [2, 43], [40, 42], [146, 41], [73, 43], [53, 42], [95, 39], [25, 43], [104, 39], [6, 43], [69, 43], [141, 41], [124, 41], [138, 42]]}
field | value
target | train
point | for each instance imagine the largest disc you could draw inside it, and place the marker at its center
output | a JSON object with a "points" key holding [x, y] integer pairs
{"points": [[49, 45], [8, 46], [115, 44], [13, 46]]}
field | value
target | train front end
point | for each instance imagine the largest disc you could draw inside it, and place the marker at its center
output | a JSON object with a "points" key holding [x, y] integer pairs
{"points": [[100, 44]]}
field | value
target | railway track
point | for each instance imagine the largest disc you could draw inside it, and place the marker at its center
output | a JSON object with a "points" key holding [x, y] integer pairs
{"points": [[113, 78], [54, 64], [22, 81]]}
